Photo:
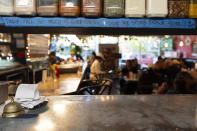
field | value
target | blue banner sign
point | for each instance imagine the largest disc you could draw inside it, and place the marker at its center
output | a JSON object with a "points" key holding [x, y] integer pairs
{"points": [[97, 22]]}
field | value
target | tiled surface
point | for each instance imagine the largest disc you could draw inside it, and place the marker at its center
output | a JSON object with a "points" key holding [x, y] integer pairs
{"points": [[65, 84], [110, 113]]}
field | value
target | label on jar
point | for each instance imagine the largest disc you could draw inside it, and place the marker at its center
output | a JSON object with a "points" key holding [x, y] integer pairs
{"points": [[71, 3], [48, 2], [24, 2], [6, 3], [114, 3], [93, 3]]}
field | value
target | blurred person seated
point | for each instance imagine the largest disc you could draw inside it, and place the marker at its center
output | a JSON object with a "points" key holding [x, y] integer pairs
{"points": [[125, 70], [98, 75], [96, 67], [146, 80], [193, 71], [125, 73], [79, 57], [172, 69], [1, 56], [135, 66], [90, 61], [53, 67], [92, 58], [160, 70], [184, 83], [52, 58]]}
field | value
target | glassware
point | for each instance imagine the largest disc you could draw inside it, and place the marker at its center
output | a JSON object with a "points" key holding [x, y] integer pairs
{"points": [[134, 8], [47, 7], [25, 7], [6, 7], [69, 7], [91, 8], [156, 8], [193, 9], [113, 8]]}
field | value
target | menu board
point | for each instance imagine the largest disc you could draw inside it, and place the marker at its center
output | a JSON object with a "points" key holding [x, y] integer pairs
{"points": [[20, 43], [38, 45]]}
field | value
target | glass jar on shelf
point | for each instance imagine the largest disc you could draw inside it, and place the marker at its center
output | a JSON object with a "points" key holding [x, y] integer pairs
{"points": [[69, 7], [178, 8], [156, 8], [135, 8], [113, 8], [25, 7], [6, 7], [193, 9], [47, 7], [91, 8]]}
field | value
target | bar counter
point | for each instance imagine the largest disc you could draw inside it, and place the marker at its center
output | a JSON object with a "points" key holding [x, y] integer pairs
{"points": [[140, 112]]}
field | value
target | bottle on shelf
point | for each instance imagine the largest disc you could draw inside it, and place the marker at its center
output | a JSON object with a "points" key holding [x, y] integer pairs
{"points": [[156, 8], [193, 9], [47, 7], [178, 8], [113, 8], [25, 7], [135, 8], [6, 7], [91, 8], [69, 7]]}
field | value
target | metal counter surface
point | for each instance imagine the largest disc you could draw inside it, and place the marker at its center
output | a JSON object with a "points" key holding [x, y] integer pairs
{"points": [[140, 112], [14, 69]]}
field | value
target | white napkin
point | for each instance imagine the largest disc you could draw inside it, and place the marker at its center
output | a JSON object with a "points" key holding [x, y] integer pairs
{"points": [[28, 96], [32, 104], [27, 92]]}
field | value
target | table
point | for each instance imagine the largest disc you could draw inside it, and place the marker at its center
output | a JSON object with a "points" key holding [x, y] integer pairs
{"points": [[67, 84], [129, 86], [34, 73], [142, 112], [12, 72], [69, 68]]}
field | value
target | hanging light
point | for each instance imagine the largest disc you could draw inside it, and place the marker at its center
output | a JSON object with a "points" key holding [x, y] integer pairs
{"points": [[166, 45], [155, 44], [181, 44]]}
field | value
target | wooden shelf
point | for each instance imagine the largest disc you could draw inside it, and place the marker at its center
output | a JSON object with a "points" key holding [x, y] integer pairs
{"points": [[80, 25]]}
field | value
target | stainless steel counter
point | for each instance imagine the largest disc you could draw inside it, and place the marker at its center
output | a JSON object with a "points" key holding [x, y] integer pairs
{"points": [[144, 113]]}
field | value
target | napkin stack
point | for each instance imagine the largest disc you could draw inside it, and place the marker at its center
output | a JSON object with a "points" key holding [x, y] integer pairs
{"points": [[28, 96]]}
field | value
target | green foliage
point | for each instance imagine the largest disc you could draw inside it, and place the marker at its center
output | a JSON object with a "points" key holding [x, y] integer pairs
{"points": [[75, 48]]}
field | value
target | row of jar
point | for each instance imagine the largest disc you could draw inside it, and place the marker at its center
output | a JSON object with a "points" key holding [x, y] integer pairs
{"points": [[93, 8]]}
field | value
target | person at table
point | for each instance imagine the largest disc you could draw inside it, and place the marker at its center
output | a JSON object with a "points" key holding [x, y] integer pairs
{"points": [[172, 69], [96, 67], [90, 61], [184, 83], [160, 70], [53, 68], [79, 57], [92, 58], [1, 54], [52, 58], [125, 70], [125, 73]]}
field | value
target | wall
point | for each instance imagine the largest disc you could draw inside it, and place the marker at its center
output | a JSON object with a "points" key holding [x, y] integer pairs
{"points": [[186, 49]]}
